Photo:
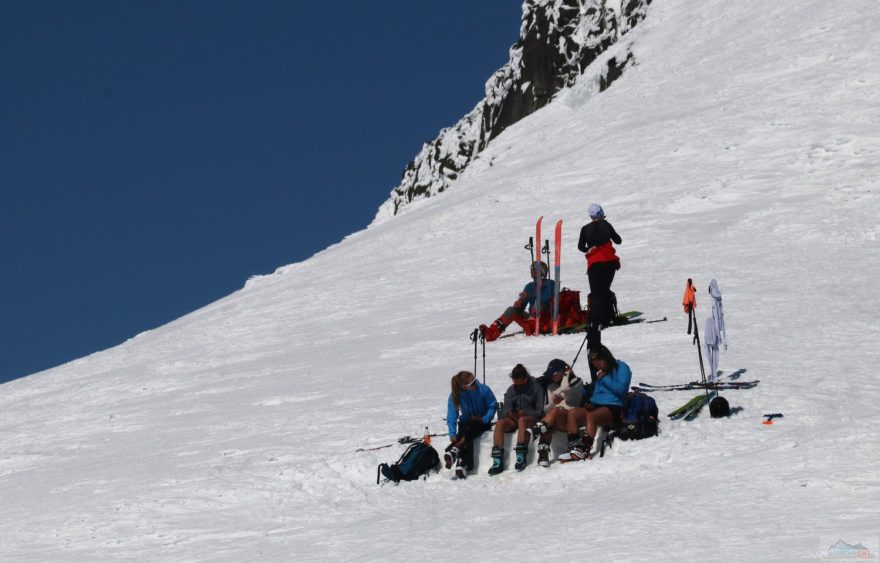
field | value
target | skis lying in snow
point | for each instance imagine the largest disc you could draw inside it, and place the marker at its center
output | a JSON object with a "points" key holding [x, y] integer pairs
{"points": [[692, 408], [404, 440], [721, 385]]}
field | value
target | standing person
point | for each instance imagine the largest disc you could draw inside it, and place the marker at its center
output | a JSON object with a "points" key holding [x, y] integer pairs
{"points": [[563, 392], [469, 412], [601, 406], [602, 262], [523, 309], [523, 405]]}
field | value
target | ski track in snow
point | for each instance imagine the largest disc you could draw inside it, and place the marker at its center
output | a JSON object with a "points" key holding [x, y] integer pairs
{"points": [[742, 146]]}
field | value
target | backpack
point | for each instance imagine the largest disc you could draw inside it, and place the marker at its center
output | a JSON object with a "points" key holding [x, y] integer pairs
{"points": [[719, 407], [570, 312], [639, 418], [417, 460]]}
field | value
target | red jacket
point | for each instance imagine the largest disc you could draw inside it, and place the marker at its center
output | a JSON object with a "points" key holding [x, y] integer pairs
{"points": [[602, 253]]}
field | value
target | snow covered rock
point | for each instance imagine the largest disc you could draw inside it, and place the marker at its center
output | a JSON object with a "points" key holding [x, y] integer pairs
{"points": [[559, 39]]}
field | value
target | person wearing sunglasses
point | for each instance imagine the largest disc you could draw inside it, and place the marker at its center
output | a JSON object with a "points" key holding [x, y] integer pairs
{"points": [[469, 412]]}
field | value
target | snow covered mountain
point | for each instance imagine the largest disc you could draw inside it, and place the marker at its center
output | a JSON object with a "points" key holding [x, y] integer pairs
{"points": [[743, 146], [559, 40]]}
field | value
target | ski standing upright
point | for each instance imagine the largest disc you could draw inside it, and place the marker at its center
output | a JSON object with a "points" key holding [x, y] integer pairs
{"points": [[557, 255], [538, 277]]}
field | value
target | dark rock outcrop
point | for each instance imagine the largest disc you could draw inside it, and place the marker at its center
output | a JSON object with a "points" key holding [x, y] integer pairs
{"points": [[559, 40]]}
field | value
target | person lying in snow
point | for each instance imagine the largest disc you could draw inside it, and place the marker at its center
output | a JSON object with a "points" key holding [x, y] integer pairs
{"points": [[523, 405], [563, 391], [469, 412], [523, 310], [602, 403]]}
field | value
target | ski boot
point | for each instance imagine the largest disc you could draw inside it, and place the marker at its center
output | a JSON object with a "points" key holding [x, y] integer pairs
{"points": [[544, 455], [460, 469], [578, 449], [522, 450], [536, 431], [493, 331], [497, 461], [451, 455]]}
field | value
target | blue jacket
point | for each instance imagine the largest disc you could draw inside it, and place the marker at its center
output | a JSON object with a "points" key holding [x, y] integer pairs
{"points": [[611, 390], [479, 402], [547, 291]]}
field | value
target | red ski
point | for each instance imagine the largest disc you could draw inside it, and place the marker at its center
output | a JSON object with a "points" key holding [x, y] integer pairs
{"points": [[537, 311], [556, 259]]}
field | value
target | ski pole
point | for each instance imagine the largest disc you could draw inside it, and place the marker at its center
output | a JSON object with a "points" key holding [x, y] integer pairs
{"points": [[474, 336], [699, 351], [483, 344], [579, 350]]}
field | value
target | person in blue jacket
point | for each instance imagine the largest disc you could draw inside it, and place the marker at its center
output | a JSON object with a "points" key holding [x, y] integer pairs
{"points": [[469, 412], [602, 403], [524, 309]]}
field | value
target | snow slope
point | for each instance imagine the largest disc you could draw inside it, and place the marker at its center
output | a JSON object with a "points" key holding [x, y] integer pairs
{"points": [[743, 146]]}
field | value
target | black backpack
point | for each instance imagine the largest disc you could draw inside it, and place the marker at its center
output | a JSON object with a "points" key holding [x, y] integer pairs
{"points": [[639, 418], [719, 407], [417, 460]]}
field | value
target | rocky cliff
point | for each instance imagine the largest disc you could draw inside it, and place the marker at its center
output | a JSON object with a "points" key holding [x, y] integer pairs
{"points": [[558, 40]]}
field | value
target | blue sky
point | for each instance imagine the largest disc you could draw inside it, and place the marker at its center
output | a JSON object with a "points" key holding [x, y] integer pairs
{"points": [[154, 155]]}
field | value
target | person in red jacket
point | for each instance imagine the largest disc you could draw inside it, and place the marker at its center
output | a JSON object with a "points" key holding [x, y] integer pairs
{"points": [[596, 241]]}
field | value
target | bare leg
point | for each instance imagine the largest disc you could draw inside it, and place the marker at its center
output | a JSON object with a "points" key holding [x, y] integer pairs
{"points": [[556, 419], [576, 418], [523, 424], [502, 427], [598, 417]]}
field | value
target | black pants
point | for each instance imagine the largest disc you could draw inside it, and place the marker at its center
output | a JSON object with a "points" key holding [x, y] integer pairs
{"points": [[601, 308], [470, 430]]}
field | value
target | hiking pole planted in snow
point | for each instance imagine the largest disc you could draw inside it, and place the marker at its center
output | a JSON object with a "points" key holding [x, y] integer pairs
{"points": [[474, 336], [531, 248], [483, 344], [579, 350], [690, 307]]}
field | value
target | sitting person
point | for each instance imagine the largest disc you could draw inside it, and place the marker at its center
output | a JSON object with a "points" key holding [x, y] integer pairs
{"points": [[469, 412], [523, 405], [602, 403], [563, 391], [523, 311]]}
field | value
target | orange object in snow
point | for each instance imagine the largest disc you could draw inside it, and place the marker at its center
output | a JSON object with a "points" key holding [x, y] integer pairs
{"points": [[689, 301]]}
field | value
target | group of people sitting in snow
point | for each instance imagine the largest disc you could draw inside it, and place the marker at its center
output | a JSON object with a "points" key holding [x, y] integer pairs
{"points": [[559, 400], [534, 408]]}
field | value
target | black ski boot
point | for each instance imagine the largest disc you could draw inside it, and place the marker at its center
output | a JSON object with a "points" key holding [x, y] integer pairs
{"points": [[497, 461], [536, 431], [451, 455], [544, 455], [522, 451]]}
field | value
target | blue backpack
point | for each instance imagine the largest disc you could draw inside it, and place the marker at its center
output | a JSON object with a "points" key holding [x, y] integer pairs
{"points": [[640, 418], [417, 460]]}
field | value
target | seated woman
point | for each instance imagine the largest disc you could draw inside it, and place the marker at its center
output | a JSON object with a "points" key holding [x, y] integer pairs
{"points": [[563, 391], [469, 412], [602, 404], [523, 405]]}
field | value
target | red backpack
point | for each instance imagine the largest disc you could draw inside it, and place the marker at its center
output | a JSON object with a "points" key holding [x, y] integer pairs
{"points": [[570, 311]]}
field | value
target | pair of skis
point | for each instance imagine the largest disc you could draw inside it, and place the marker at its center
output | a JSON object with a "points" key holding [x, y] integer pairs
{"points": [[692, 408], [404, 440], [536, 261], [723, 385]]}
